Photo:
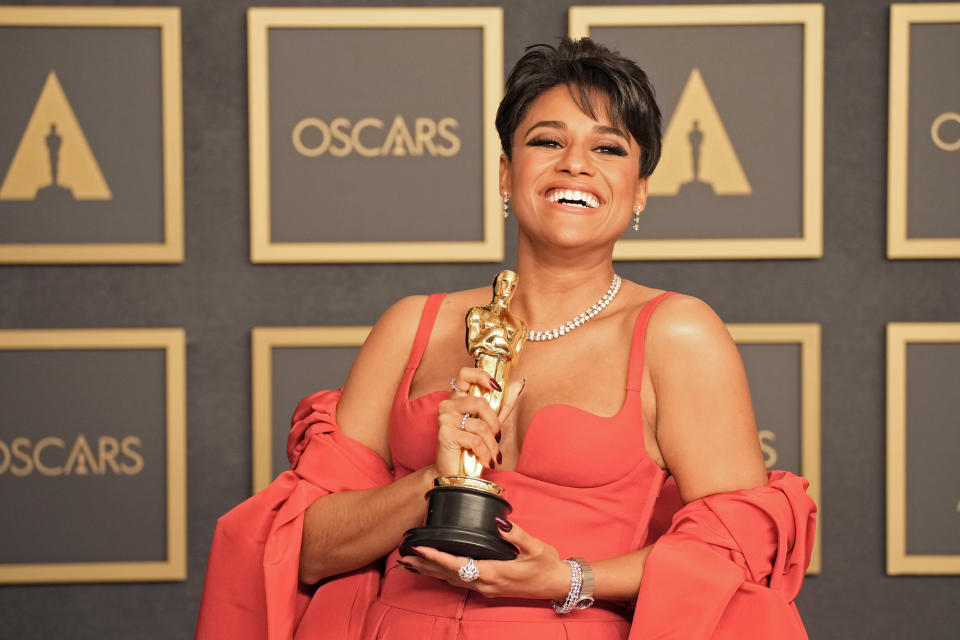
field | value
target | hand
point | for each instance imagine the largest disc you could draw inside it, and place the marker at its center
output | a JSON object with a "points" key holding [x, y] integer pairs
{"points": [[537, 572], [481, 430]]}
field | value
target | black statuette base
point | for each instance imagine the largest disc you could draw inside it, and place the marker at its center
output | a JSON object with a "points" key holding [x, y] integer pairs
{"points": [[460, 521]]}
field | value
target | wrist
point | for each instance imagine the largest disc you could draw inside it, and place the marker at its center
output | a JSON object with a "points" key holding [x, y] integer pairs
{"points": [[560, 581]]}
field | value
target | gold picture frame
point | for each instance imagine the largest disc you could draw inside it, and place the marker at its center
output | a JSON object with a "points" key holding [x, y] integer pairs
{"points": [[173, 342], [811, 17], [260, 21], [171, 249], [899, 245], [807, 335], [899, 561], [263, 341]]}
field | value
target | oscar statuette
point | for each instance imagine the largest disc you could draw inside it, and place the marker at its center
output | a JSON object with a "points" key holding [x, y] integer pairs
{"points": [[462, 508]]}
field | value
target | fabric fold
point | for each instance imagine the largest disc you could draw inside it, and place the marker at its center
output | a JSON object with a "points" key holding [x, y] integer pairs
{"points": [[737, 559], [252, 589]]}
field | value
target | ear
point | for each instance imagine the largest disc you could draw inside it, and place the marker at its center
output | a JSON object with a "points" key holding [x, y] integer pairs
{"points": [[506, 184], [640, 193]]}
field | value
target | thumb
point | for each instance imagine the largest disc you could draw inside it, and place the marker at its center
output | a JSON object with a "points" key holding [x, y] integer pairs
{"points": [[511, 532], [510, 398]]}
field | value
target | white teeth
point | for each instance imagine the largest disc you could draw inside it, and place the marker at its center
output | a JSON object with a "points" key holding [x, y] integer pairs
{"points": [[573, 195]]}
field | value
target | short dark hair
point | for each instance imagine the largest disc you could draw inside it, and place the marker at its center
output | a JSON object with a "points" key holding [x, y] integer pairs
{"points": [[585, 67]]}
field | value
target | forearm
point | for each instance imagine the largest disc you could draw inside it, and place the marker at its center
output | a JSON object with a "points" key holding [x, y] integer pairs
{"points": [[619, 578], [347, 530]]}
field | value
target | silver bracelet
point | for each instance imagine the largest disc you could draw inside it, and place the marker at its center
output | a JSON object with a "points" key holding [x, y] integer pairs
{"points": [[573, 596]]}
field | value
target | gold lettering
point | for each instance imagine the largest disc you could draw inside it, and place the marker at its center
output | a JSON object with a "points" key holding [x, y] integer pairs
{"points": [[6, 457], [80, 457], [109, 448], [426, 129], [766, 446], [127, 445], [300, 146], [43, 443], [338, 131], [363, 123], [940, 120], [18, 445], [399, 138], [444, 129]]}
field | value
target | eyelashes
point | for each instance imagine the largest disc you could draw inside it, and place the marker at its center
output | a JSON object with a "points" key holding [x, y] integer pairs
{"points": [[551, 143]]}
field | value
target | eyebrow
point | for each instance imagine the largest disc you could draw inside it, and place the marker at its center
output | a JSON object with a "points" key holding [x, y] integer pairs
{"points": [[558, 124]]}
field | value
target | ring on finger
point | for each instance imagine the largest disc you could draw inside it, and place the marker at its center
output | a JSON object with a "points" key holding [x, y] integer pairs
{"points": [[454, 387], [463, 421], [469, 571]]}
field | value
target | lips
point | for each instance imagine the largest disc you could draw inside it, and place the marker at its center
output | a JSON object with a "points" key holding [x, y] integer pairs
{"points": [[572, 197]]}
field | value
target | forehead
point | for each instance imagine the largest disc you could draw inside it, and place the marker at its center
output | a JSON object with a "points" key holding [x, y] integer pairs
{"points": [[558, 103]]}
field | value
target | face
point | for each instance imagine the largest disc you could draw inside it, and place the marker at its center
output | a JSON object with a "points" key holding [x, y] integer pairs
{"points": [[572, 180]]}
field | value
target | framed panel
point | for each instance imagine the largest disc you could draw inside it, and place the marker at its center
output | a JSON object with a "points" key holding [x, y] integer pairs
{"points": [[98, 477], [290, 363], [91, 135], [923, 446], [741, 91], [783, 366], [358, 162], [924, 132]]}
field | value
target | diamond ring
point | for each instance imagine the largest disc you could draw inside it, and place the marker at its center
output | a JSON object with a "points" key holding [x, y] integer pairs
{"points": [[454, 387], [469, 571], [463, 421]]}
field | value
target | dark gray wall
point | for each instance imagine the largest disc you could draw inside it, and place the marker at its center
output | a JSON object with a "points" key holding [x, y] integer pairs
{"points": [[218, 296]]}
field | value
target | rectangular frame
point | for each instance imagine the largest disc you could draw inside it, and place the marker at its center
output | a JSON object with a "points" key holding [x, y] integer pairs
{"points": [[807, 335], [167, 19], [260, 21], [173, 342], [898, 244], [899, 562], [263, 341], [810, 15]]}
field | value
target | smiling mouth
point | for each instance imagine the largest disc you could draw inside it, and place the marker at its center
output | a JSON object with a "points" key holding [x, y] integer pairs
{"points": [[572, 197]]}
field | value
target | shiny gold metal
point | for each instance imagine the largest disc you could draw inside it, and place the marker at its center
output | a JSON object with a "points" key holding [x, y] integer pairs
{"points": [[494, 339], [471, 483]]}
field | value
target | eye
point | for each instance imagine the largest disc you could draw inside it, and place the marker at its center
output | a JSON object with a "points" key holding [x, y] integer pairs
{"points": [[612, 149], [550, 143]]}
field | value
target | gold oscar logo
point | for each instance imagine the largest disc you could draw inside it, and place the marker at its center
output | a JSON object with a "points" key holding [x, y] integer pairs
{"points": [[770, 456], [53, 159], [313, 137], [117, 456], [697, 153], [937, 133]]}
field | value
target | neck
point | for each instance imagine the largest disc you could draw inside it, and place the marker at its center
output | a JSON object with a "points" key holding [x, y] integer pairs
{"points": [[556, 285]]}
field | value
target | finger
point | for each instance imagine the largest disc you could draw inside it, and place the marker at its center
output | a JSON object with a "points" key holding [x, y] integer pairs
{"points": [[443, 560], [512, 533], [485, 422], [510, 399], [454, 438], [471, 375]]}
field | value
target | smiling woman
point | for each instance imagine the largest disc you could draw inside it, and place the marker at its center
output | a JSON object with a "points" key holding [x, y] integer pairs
{"points": [[596, 421]]}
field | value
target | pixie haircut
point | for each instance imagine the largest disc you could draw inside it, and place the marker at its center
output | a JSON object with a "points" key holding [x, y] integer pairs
{"points": [[589, 70]]}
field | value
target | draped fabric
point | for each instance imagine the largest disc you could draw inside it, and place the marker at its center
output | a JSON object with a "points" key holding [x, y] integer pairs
{"points": [[251, 589], [729, 565]]}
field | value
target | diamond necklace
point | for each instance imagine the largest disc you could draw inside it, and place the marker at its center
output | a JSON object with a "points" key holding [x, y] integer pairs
{"points": [[583, 318]]}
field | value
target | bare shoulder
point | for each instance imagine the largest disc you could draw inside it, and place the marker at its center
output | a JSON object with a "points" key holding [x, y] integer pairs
{"points": [[685, 323]]}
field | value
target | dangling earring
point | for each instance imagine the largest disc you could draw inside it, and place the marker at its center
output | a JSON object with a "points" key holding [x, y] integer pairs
{"points": [[636, 217], [506, 204]]}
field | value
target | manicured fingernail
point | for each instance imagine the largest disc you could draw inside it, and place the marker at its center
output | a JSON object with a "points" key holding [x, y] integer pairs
{"points": [[505, 525], [417, 552], [492, 464], [495, 385], [497, 437], [499, 457]]}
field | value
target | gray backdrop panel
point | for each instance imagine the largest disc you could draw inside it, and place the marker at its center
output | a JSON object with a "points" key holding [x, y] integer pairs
{"points": [[773, 371], [218, 296]]}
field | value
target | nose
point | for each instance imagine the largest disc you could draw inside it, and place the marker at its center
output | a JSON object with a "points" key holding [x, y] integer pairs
{"points": [[575, 160]]}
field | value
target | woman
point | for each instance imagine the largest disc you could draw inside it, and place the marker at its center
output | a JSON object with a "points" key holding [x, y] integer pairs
{"points": [[639, 385]]}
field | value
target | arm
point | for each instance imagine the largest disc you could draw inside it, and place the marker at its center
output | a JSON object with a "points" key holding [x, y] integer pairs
{"points": [[347, 530]]}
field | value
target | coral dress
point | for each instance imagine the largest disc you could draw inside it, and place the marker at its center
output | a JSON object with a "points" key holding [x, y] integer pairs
{"points": [[590, 496]]}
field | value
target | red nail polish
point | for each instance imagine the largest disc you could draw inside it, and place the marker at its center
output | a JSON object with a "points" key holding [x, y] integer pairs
{"points": [[495, 385], [499, 458], [492, 465], [505, 525], [498, 436], [417, 553]]}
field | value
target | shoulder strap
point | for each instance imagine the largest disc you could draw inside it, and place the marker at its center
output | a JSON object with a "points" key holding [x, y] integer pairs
{"points": [[427, 319], [635, 374]]}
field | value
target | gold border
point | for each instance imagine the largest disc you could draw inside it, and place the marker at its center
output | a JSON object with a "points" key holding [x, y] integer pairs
{"points": [[899, 245], [262, 249], [899, 562], [167, 19], [173, 342], [263, 341], [808, 337], [810, 245]]}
